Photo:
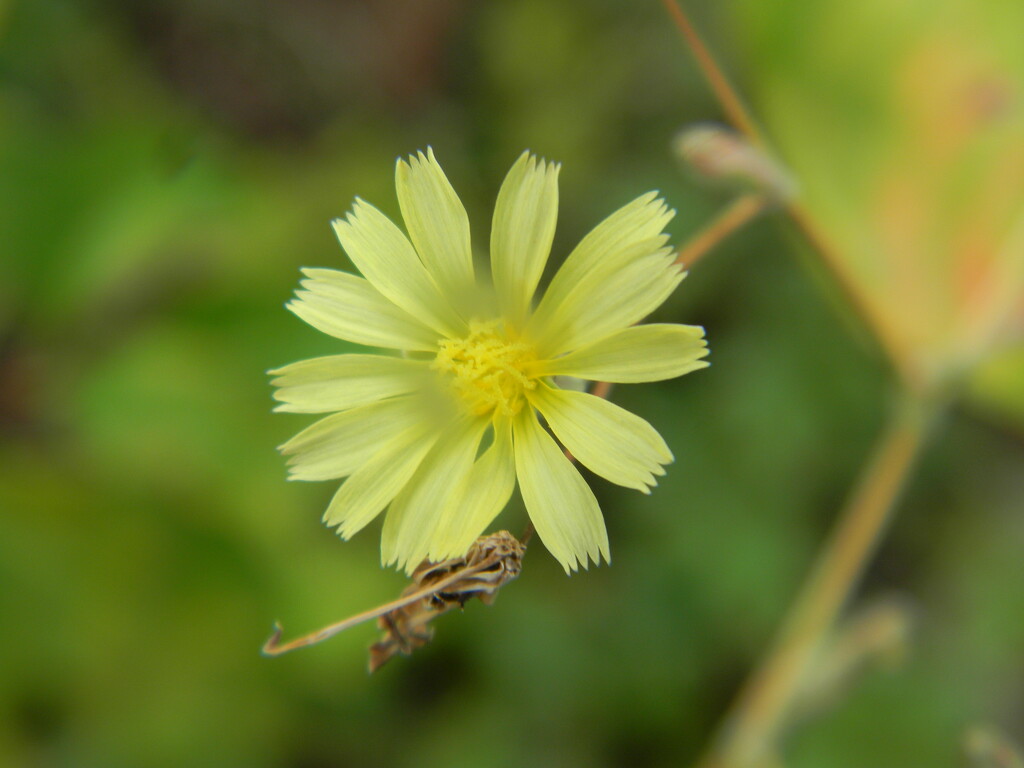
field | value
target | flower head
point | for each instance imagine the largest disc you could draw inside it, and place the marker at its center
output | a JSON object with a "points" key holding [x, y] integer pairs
{"points": [[440, 434]]}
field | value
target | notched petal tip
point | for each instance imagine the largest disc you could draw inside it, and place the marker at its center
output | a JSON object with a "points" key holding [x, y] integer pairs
{"points": [[535, 163], [345, 532], [312, 272], [295, 305], [404, 166], [653, 199], [577, 561]]}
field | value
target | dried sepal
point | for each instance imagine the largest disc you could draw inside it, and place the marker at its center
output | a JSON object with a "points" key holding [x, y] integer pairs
{"points": [[436, 588]]}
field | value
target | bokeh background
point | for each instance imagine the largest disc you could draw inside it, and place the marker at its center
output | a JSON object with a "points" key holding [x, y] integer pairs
{"points": [[166, 166]]}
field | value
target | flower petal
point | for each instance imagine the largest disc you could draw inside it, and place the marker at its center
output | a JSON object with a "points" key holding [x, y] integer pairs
{"points": [[387, 259], [486, 491], [598, 306], [437, 222], [338, 445], [372, 487], [419, 520], [651, 352], [339, 382], [561, 505], [522, 231], [608, 440], [348, 307], [608, 247]]}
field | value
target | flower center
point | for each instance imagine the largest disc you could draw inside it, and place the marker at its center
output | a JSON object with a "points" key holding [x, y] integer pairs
{"points": [[488, 367]]}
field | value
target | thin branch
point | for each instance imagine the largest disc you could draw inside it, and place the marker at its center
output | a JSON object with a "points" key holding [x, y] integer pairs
{"points": [[739, 212], [273, 647], [727, 96]]}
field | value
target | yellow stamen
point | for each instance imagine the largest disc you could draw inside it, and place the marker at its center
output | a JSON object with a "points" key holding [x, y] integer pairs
{"points": [[488, 367]]}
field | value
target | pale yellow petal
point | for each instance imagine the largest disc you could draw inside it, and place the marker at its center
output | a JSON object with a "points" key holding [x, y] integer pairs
{"points": [[651, 352], [339, 382], [348, 307], [372, 487], [523, 228], [387, 259], [437, 223], [338, 445], [594, 309], [561, 505], [486, 491], [608, 247], [608, 440], [419, 520]]}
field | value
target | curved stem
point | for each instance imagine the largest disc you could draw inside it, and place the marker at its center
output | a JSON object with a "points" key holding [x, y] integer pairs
{"points": [[750, 731]]}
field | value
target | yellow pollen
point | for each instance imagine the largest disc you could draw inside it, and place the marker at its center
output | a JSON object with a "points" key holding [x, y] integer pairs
{"points": [[488, 367]]}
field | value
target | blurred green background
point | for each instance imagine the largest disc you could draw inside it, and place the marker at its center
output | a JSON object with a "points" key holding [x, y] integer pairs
{"points": [[166, 167]]}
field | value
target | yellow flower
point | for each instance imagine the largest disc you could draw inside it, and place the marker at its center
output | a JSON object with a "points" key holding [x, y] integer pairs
{"points": [[440, 435]]}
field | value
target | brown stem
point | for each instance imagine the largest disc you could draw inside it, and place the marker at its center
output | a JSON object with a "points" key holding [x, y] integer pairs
{"points": [[751, 729], [727, 96], [273, 646], [742, 210]]}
